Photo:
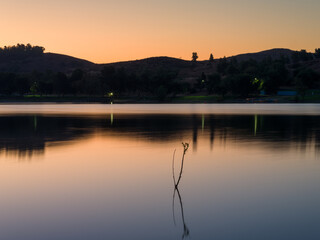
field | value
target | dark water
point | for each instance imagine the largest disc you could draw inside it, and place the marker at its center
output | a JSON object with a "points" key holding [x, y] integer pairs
{"points": [[109, 176]]}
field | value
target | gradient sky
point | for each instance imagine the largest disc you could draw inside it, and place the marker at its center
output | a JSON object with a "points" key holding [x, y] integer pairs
{"points": [[116, 30]]}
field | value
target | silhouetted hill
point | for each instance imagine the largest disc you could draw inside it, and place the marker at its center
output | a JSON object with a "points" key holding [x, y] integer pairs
{"points": [[26, 69], [190, 71], [275, 53], [187, 69], [314, 64], [48, 61], [153, 63]]}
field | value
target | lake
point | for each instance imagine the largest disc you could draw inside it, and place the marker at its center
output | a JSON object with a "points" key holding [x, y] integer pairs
{"points": [[94, 171]]}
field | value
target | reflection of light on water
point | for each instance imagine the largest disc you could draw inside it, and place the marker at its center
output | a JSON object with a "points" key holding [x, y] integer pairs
{"points": [[255, 124], [111, 112], [111, 118], [203, 122], [35, 122]]}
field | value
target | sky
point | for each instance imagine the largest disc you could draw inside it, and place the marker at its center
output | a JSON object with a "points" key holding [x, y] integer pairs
{"points": [[104, 31]]}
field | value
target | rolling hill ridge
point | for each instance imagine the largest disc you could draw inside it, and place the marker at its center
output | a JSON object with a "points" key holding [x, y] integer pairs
{"points": [[66, 64]]}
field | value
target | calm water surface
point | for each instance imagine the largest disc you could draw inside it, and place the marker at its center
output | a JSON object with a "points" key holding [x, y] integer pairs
{"points": [[105, 172]]}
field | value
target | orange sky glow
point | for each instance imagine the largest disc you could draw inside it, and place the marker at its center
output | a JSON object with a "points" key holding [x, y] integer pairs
{"points": [[110, 31]]}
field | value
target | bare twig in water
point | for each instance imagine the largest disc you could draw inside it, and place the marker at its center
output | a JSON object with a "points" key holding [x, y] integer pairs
{"points": [[174, 178], [186, 231], [185, 148]]}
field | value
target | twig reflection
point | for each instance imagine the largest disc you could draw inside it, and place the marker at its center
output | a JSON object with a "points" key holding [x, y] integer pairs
{"points": [[186, 231]]}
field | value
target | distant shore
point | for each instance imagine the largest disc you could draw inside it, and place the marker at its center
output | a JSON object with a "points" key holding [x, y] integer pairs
{"points": [[177, 99]]}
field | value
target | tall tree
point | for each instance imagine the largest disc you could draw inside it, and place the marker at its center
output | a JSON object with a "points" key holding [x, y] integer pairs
{"points": [[194, 56], [211, 59]]}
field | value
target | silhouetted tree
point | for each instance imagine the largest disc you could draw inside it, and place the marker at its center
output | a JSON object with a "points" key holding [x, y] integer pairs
{"points": [[61, 85], [250, 67], [45, 81], [222, 65], [295, 57], [34, 88], [213, 83], [120, 83], [7, 85], [307, 79], [20, 51], [317, 52], [211, 59], [107, 79], [241, 85], [131, 83], [275, 75], [301, 55], [194, 56], [232, 69], [76, 80], [161, 93], [144, 82], [305, 56], [201, 81], [91, 84], [21, 85]]}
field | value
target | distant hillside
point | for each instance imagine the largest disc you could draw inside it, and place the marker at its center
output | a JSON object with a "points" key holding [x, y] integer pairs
{"points": [[187, 69], [165, 62], [155, 62], [275, 53], [47, 61], [190, 71], [156, 77]]}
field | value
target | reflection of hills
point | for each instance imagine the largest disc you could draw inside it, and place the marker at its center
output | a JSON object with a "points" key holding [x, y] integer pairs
{"points": [[269, 128], [25, 135]]}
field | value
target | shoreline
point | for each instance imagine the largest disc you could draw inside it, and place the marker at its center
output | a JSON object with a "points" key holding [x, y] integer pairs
{"points": [[150, 100]]}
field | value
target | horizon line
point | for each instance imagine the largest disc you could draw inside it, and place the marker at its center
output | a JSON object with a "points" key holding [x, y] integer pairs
{"points": [[179, 58]]}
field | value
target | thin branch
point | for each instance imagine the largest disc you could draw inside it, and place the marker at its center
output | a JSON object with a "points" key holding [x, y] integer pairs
{"points": [[185, 148], [173, 175], [186, 231]]}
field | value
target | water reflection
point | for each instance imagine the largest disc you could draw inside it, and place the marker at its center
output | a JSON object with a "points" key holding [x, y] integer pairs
{"points": [[248, 177], [186, 231], [25, 136], [31, 134]]}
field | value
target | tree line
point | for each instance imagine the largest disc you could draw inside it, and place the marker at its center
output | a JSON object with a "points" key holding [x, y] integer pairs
{"points": [[234, 78], [79, 82], [269, 75], [20, 51]]}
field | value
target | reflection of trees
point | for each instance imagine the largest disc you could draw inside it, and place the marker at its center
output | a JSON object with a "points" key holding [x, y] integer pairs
{"points": [[194, 132], [27, 135], [186, 231]]}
